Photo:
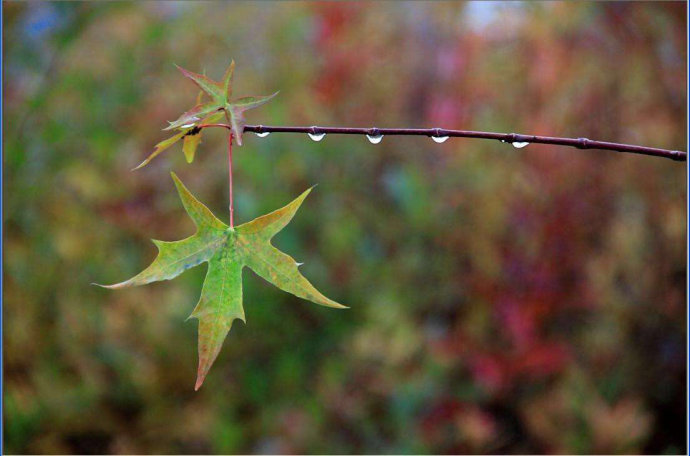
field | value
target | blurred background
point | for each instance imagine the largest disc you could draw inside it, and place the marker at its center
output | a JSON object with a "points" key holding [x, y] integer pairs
{"points": [[502, 300]]}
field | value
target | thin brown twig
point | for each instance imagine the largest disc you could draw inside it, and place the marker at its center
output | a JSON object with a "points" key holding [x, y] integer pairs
{"points": [[513, 138]]}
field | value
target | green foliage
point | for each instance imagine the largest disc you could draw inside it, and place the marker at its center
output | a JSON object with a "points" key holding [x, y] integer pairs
{"points": [[209, 112], [227, 251]]}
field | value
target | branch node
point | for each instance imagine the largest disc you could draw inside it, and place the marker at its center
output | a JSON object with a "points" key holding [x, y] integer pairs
{"points": [[582, 143], [678, 155]]}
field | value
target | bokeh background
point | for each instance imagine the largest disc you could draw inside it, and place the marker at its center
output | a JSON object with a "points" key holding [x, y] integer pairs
{"points": [[502, 300]]}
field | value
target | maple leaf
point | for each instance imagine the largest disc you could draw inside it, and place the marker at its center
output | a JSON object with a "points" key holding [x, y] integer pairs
{"points": [[227, 251], [190, 133], [220, 93], [209, 112]]}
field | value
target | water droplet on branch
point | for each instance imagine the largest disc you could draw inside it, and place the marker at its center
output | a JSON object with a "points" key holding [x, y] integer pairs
{"points": [[193, 120], [520, 145], [375, 139], [439, 139], [316, 136], [263, 135]]}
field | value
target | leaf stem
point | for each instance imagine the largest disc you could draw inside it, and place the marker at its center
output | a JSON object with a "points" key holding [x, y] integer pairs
{"points": [[232, 223]]}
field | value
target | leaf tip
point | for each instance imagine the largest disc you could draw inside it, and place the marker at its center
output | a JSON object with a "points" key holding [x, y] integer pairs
{"points": [[185, 72], [140, 165], [305, 194], [110, 287], [324, 301], [211, 336], [336, 305], [181, 189], [199, 381]]}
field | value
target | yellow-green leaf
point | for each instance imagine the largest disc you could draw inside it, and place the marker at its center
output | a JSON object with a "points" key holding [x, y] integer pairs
{"points": [[160, 147], [236, 111], [191, 117], [220, 93], [227, 251], [212, 88], [210, 112], [227, 80], [191, 142], [192, 139]]}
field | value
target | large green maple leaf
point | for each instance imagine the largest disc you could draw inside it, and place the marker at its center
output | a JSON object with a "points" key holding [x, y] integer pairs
{"points": [[209, 112], [227, 251]]}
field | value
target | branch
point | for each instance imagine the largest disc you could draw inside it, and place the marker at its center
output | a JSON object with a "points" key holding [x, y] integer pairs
{"points": [[579, 143]]}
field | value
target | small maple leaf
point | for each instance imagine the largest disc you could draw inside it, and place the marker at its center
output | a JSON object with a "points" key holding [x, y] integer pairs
{"points": [[209, 112], [227, 251], [189, 133]]}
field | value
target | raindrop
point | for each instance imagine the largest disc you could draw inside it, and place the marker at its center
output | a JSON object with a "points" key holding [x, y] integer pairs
{"points": [[298, 264], [264, 134], [520, 145], [375, 139], [317, 136], [193, 120], [439, 139]]}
